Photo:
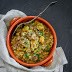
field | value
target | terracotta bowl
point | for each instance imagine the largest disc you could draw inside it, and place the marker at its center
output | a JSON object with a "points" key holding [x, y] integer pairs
{"points": [[13, 25]]}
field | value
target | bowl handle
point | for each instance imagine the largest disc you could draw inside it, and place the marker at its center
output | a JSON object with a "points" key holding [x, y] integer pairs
{"points": [[49, 62], [14, 20]]}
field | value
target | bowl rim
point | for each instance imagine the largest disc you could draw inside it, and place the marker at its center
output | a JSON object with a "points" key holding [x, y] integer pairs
{"points": [[9, 45]]}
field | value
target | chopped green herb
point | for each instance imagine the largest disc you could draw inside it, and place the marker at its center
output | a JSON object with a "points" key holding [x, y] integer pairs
{"points": [[47, 48], [41, 33], [26, 55]]}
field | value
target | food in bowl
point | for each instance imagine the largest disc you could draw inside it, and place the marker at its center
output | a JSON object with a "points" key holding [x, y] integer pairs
{"points": [[32, 43]]}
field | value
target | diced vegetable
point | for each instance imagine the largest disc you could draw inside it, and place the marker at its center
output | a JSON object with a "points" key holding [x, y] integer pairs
{"points": [[34, 44], [26, 28], [40, 26], [41, 39], [23, 33]]}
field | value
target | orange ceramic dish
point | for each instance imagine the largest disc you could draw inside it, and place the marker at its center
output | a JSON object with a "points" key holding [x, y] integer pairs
{"points": [[17, 21]]}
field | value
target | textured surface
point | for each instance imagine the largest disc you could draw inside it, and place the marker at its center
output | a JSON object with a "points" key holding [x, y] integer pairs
{"points": [[60, 17]]}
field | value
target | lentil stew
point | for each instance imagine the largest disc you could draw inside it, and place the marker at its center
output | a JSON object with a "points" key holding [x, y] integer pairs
{"points": [[32, 43]]}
